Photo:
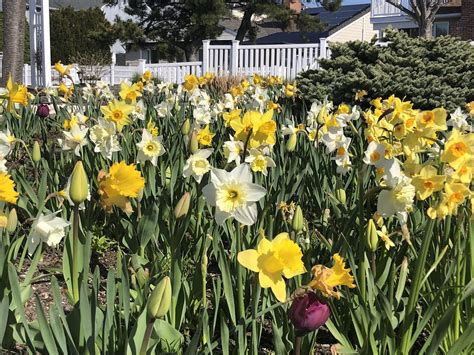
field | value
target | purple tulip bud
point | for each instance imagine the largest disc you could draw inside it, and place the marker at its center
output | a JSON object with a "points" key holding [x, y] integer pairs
{"points": [[308, 313], [43, 110]]}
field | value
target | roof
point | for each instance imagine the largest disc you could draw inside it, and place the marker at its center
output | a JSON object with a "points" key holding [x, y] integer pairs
{"points": [[76, 4], [333, 22]]}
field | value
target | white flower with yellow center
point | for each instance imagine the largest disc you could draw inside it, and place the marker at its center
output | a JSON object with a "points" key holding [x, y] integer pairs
{"points": [[342, 158], [105, 139], [150, 148], [333, 139], [259, 162], [375, 155], [232, 150], [48, 229], [398, 199], [197, 164], [6, 142], [74, 139], [234, 195], [139, 112]]}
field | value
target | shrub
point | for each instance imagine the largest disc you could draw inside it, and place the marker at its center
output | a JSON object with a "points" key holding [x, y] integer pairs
{"points": [[430, 73]]}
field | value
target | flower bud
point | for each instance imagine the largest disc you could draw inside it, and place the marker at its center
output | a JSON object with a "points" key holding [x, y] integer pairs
{"points": [[297, 222], [371, 235], [79, 185], [12, 221], [42, 110], [56, 178], [322, 115], [182, 207], [168, 176], [194, 142], [308, 313], [291, 143], [341, 196], [186, 127], [36, 155], [160, 299]]}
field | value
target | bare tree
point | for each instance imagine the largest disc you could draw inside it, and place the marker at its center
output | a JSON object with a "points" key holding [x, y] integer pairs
{"points": [[423, 12], [13, 40]]}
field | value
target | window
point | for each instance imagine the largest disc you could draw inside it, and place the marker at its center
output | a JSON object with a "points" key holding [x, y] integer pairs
{"points": [[440, 29]]}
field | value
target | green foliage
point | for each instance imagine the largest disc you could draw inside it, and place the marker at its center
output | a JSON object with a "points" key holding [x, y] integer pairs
{"points": [[80, 32], [434, 73], [27, 39]]}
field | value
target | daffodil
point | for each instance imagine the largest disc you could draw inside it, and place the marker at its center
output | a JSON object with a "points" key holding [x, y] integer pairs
{"points": [[190, 82], [327, 279], [61, 69], [197, 164], [383, 234], [375, 154], [121, 183], [48, 229], [273, 260], [427, 182], [74, 139], [117, 112], [435, 119], [104, 137], [150, 148], [7, 189], [17, 94], [233, 150], [147, 75], [398, 199], [255, 128], [455, 194], [129, 92], [230, 116], [204, 136], [458, 148], [7, 139], [458, 120], [234, 195], [259, 162]]}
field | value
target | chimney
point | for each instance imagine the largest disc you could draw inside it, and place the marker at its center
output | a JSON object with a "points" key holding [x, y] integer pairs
{"points": [[294, 5]]}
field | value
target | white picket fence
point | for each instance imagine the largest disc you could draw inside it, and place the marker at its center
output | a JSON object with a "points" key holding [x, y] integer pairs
{"points": [[286, 61]]}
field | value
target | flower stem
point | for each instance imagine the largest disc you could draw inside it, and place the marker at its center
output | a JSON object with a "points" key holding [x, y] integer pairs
{"points": [[146, 337], [297, 347], [75, 255]]}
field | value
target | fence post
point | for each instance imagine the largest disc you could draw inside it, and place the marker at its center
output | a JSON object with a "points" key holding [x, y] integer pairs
{"points": [[112, 69], [234, 57], [141, 66], [205, 56], [323, 48]]}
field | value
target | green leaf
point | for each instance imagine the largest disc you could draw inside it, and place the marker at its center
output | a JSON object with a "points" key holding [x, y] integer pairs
{"points": [[45, 329]]}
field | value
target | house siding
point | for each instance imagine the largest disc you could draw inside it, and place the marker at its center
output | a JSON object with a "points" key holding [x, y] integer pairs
{"points": [[466, 22], [361, 29]]}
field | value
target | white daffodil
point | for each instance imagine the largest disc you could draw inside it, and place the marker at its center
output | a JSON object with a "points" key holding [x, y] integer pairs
{"points": [[74, 139], [458, 120], [229, 102], [259, 162], [232, 150], [48, 229], [104, 137], [398, 200], [375, 155], [150, 148], [139, 112], [163, 109], [342, 158], [234, 195], [197, 164], [261, 97], [333, 139], [3, 167], [202, 115], [6, 142]]}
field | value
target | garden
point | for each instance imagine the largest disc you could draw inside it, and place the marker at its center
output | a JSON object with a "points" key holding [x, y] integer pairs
{"points": [[244, 215]]}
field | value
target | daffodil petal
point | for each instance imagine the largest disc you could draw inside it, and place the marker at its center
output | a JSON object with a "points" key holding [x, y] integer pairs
{"points": [[279, 290], [249, 259]]}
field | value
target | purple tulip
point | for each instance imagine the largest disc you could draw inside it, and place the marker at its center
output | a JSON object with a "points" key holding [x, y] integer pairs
{"points": [[308, 313], [43, 110]]}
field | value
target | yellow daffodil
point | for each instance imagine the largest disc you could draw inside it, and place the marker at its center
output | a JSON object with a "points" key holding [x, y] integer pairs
{"points": [[190, 82], [236, 91], [435, 119], [230, 116], [274, 260], [326, 279], [204, 136], [258, 129], [147, 75], [470, 108], [121, 183], [257, 79], [383, 234], [65, 90], [458, 149], [427, 182], [360, 94], [62, 70], [7, 189], [129, 93], [117, 112], [17, 94], [290, 90], [464, 172], [151, 127], [455, 194]]}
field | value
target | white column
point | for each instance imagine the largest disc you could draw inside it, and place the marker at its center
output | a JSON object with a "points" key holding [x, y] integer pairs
{"points": [[46, 63], [323, 48], [33, 42], [112, 68], [234, 58], [141, 66], [205, 56]]}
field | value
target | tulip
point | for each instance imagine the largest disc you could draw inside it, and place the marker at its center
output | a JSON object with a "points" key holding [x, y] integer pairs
{"points": [[297, 222], [79, 185], [182, 207], [36, 154], [42, 110], [160, 299], [308, 313]]}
